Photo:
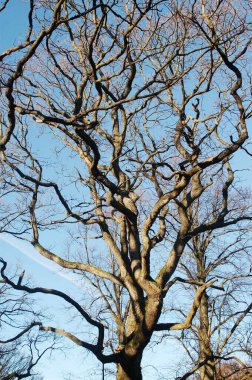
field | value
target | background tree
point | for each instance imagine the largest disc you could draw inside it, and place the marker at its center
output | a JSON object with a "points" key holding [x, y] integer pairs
{"points": [[231, 370], [220, 329], [115, 118], [15, 366], [21, 349]]}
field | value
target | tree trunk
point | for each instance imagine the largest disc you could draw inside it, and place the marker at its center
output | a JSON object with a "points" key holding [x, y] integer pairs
{"points": [[208, 371], [130, 369], [138, 335]]}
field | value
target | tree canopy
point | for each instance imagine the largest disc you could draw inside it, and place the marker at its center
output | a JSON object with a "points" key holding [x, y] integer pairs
{"points": [[119, 122]]}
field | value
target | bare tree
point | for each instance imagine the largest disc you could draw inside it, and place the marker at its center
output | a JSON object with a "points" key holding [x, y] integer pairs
{"points": [[220, 329], [116, 119], [232, 371], [15, 366], [20, 348]]}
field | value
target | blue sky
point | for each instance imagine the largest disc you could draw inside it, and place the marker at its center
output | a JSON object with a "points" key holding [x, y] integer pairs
{"points": [[13, 23], [81, 365]]}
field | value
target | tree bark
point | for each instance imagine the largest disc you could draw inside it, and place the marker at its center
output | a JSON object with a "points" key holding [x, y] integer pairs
{"points": [[208, 371], [130, 369]]}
